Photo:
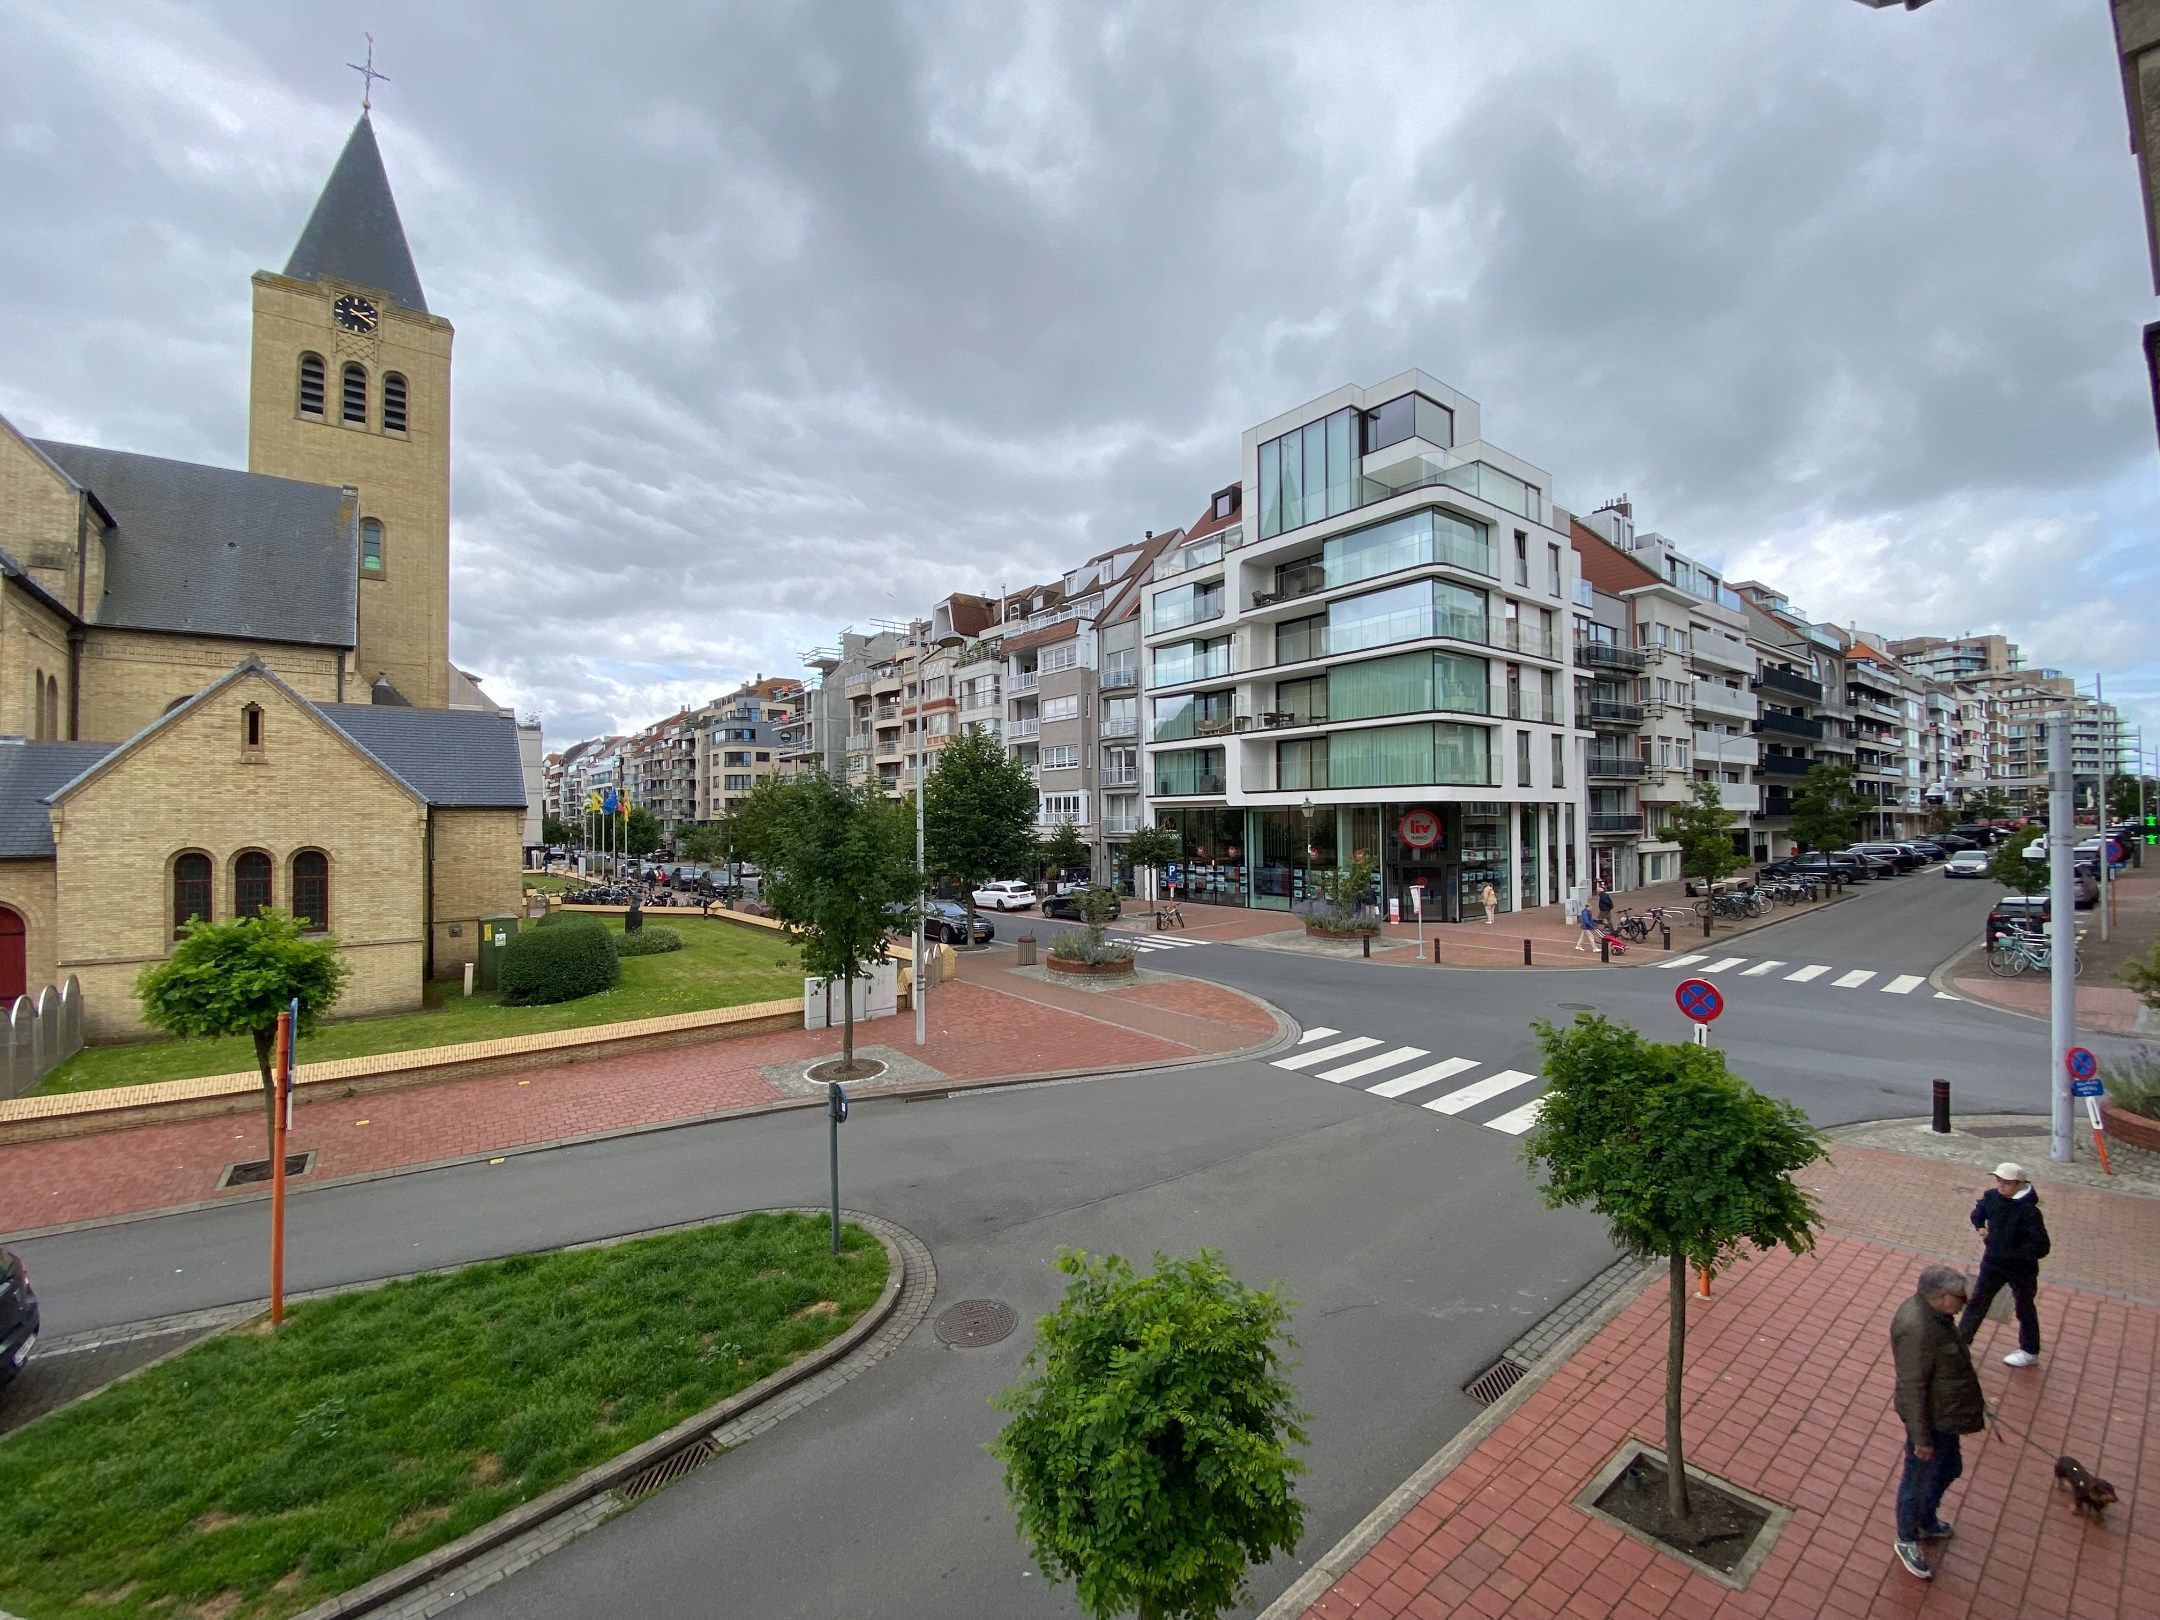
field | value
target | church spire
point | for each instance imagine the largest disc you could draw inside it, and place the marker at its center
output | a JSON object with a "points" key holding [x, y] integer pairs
{"points": [[354, 233]]}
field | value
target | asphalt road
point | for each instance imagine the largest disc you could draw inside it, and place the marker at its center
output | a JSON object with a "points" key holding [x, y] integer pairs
{"points": [[1413, 1240]]}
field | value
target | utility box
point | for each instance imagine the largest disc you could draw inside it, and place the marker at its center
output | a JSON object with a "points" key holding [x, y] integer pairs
{"points": [[877, 995], [496, 933]]}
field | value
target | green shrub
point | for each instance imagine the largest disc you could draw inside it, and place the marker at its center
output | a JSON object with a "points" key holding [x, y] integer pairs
{"points": [[546, 965], [2134, 1083], [568, 919], [1071, 947], [649, 941]]}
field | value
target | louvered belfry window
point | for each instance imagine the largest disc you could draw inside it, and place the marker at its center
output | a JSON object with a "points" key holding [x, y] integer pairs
{"points": [[311, 384], [356, 394], [393, 402]]}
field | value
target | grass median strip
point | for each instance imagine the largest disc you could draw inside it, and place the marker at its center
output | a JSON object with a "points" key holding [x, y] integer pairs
{"points": [[258, 1474], [721, 964]]}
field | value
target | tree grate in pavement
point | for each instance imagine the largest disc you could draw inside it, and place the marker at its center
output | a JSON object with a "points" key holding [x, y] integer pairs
{"points": [[973, 1323], [254, 1172], [1495, 1381], [669, 1469]]}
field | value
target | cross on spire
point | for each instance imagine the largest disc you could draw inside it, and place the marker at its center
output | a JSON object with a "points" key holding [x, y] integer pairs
{"points": [[368, 75]]}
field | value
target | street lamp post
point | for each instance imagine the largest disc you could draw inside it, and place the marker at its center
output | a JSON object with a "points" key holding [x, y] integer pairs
{"points": [[1307, 808], [920, 991]]}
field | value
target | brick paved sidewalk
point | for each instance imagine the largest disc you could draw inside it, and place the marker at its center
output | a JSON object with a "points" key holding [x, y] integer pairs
{"points": [[1788, 1395], [991, 1025]]}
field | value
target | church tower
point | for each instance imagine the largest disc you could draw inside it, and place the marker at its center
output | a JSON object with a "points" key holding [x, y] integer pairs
{"points": [[351, 386]]}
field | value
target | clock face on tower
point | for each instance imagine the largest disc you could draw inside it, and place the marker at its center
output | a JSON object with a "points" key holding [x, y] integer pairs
{"points": [[354, 313]]}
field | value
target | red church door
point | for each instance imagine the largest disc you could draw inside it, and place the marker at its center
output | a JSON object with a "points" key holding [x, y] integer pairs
{"points": [[12, 967]]}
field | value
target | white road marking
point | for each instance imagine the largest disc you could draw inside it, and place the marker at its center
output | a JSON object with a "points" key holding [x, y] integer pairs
{"points": [[1327, 1054], [1724, 966], [1807, 973], [1478, 1091], [1373, 1065], [1681, 961], [1944, 995], [1320, 1034], [1853, 980], [1518, 1120], [1759, 969], [1172, 939], [1903, 985], [1431, 1074]]}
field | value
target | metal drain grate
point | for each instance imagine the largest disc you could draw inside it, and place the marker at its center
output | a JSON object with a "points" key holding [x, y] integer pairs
{"points": [[256, 1172], [1495, 1381], [973, 1323], [669, 1469]]}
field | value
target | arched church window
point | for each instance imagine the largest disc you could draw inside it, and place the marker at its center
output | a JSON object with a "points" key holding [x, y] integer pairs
{"points": [[251, 882], [311, 890], [371, 552], [393, 402], [37, 697], [311, 385], [251, 726], [52, 706], [190, 890], [356, 393]]}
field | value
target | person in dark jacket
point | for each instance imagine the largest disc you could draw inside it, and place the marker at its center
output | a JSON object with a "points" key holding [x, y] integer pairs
{"points": [[1938, 1399], [2017, 1241]]}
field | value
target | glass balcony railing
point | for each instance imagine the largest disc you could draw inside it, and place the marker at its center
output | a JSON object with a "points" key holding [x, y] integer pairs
{"points": [[1415, 624], [1173, 787], [1448, 469], [1615, 768], [1121, 677], [1611, 822], [1609, 655], [1770, 679]]}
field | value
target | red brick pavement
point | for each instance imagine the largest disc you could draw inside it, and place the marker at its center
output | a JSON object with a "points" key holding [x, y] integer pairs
{"points": [[1788, 1395], [976, 1032]]}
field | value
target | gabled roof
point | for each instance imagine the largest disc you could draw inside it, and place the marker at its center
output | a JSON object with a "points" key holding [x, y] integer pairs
{"points": [[211, 551], [355, 234], [458, 759], [29, 773]]}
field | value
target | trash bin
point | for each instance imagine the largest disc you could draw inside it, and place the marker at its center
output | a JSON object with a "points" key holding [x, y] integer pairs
{"points": [[495, 934], [1025, 945]]}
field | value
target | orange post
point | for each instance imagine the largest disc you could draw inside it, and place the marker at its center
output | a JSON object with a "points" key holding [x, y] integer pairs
{"points": [[1702, 1276], [2100, 1147], [277, 1170]]}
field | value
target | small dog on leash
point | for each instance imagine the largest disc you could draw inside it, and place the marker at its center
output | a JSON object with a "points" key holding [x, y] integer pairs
{"points": [[2092, 1494]]}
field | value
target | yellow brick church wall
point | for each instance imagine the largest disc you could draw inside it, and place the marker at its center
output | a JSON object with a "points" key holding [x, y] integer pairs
{"points": [[130, 677], [27, 888], [33, 645], [39, 515], [478, 858], [194, 786]]}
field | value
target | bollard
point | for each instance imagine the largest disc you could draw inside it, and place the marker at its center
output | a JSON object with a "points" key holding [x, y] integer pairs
{"points": [[1604, 949], [1436, 953], [1366, 941], [1706, 925], [1526, 953], [1941, 1123], [1702, 1290], [1664, 929]]}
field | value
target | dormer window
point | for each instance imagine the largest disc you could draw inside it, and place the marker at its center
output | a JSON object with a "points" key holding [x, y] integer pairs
{"points": [[311, 385], [251, 726]]}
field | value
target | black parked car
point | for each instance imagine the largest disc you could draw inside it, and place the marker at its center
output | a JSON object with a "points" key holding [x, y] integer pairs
{"points": [[1068, 906], [945, 922], [18, 1316]]}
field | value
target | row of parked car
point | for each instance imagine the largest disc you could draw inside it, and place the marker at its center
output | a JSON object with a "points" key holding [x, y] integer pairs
{"points": [[945, 922]]}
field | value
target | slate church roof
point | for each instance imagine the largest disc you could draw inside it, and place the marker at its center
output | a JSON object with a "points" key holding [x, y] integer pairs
{"points": [[355, 234], [458, 759], [211, 551], [29, 773]]}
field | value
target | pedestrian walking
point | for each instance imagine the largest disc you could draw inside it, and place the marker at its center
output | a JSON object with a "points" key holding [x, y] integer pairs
{"points": [[1586, 938], [1938, 1399], [2017, 1241], [1604, 910], [1489, 898]]}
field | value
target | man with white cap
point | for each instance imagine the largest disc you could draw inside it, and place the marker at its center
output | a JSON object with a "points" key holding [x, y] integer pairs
{"points": [[2017, 1241]]}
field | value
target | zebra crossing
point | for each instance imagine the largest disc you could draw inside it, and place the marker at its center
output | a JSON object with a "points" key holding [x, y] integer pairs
{"points": [[1329, 1054], [1707, 964], [1156, 942]]}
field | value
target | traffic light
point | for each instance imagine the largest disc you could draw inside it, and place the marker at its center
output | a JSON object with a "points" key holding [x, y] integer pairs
{"points": [[2152, 829]]}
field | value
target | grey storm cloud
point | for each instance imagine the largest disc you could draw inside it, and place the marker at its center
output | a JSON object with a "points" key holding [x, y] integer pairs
{"points": [[774, 318]]}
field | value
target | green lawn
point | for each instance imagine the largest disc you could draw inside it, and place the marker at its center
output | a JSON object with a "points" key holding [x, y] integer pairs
{"points": [[720, 965], [258, 1474], [551, 883]]}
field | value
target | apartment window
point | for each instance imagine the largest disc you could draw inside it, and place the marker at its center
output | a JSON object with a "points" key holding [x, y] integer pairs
{"points": [[1189, 771], [1301, 701], [1061, 708], [1186, 604], [355, 394], [1551, 683], [1414, 540], [1522, 558], [393, 402], [1411, 416], [311, 385], [1310, 474], [1063, 656], [1121, 766], [1193, 714], [1301, 764], [1189, 661], [1120, 669], [1522, 759], [191, 890], [1226, 501], [1559, 761], [1552, 567], [735, 784], [1061, 809], [1062, 757], [311, 890], [251, 882], [371, 547]]}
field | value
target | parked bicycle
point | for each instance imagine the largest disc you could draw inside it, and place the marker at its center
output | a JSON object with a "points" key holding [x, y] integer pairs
{"points": [[2014, 952], [1733, 903]]}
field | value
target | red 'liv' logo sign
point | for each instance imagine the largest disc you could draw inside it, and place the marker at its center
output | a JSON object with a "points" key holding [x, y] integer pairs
{"points": [[1420, 829]]}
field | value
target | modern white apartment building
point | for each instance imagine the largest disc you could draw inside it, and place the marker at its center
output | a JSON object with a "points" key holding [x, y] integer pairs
{"points": [[1377, 660]]}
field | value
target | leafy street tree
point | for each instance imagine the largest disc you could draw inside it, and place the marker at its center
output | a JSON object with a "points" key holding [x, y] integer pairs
{"points": [[640, 831], [234, 978], [2009, 867], [1826, 809], [705, 842], [554, 830], [978, 815], [1063, 851], [1703, 829], [2128, 796], [1148, 1452], [2142, 974], [1685, 1159], [1152, 848], [839, 870], [1990, 804], [1941, 818]]}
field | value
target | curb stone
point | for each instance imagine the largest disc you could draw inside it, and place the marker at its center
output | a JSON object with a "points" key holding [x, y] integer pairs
{"points": [[1593, 1305]]}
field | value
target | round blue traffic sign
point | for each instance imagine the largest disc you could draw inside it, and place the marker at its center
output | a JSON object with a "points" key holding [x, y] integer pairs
{"points": [[1699, 999], [2081, 1063]]}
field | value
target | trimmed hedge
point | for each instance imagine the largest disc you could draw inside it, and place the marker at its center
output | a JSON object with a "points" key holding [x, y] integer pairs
{"points": [[649, 942], [568, 919], [544, 965]]}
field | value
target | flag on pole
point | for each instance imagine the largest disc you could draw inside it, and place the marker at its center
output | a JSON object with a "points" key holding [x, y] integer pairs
{"points": [[610, 803], [594, 804]]}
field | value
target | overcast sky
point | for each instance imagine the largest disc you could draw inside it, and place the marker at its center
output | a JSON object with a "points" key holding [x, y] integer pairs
{"points": [[775, 318]]}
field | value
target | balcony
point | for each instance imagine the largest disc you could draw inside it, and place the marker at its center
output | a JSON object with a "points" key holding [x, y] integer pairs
{"points": [[1127, 727], [1713, 697], [1789, 765], [1715, 745], [1615, 824], [1614, 768], [1025, 680], [1788, 725], [1200, 785], [1023, 728], [1606, 712], [1721, 652], [1609, 655], [1120, 677], [1121, 779], [1741, 798], [1771, 679]]}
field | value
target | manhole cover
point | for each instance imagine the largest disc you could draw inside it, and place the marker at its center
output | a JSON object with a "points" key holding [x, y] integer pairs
{"points": [[973, 1323]]}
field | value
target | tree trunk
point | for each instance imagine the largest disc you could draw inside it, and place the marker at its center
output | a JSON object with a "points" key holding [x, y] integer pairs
{"points": [[1676, 1498], [265, 1047], [847, 1021]]}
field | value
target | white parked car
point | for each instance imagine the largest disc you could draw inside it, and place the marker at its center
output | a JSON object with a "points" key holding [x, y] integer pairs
{"points": [[1008, 894], [1967, 863]]}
